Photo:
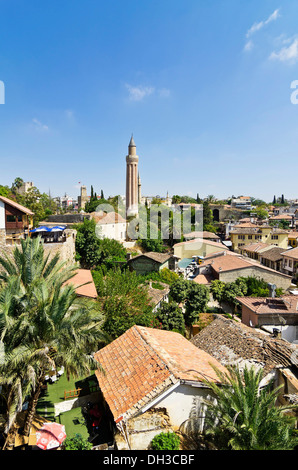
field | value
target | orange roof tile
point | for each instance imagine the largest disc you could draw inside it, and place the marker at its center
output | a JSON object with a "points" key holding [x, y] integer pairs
{"points": [[202, 240], [205, 279], [108, 218], [84, 276], [284, 304], [143, 363], [292, 253]]}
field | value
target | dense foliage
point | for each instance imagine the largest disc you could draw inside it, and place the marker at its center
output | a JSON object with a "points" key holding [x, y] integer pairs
{"points": [[92, 251], [123, 301], [171, 317], [37, 329], [166, 441], [77, 442], [243, 286], [246, 415]]}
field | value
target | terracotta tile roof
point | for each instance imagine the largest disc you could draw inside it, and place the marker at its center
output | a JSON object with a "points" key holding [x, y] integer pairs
{"points": [[231, 263], [226, 263], [205, 279], [293, 234], [159, 257], [157, 295], [109, 218], [293, 253], [281, 217], [232, 342], [220, 253], [16, 205], [84, 276], [246, 225], [255, 247], [255, 229], [203, 234], [280, 305], [273, 254], [207, 242], [143, 363]]}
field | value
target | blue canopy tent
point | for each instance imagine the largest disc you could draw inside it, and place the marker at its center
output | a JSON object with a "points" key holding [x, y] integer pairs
{"points": [[44, 228], [49, 234]]}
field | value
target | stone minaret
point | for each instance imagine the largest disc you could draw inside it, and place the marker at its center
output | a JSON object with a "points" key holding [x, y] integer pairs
{"points": [[132, 180], [139, 189]]}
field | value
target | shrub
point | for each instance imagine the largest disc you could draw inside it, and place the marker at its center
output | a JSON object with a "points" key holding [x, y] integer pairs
{"points": [[77, 443], [165, 441]]}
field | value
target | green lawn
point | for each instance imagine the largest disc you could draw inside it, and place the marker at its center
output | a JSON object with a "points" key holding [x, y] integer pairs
{"points": [[55, 394], [74, 423]]}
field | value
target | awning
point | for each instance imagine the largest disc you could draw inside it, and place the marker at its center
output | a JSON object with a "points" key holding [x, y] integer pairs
{"points": [[44, 228]]}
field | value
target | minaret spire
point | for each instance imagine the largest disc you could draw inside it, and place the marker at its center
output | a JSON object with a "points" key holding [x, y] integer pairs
{"points": [[132, 189]]}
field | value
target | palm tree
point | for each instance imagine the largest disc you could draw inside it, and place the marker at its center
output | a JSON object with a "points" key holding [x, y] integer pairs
{"points": [[246, 414], [43, 323]]}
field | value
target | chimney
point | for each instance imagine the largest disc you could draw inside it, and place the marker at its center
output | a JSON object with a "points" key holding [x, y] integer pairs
{"points": [[272, 289]]}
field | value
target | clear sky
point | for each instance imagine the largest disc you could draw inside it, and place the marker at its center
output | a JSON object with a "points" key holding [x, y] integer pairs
{"points": [[204, 86]]}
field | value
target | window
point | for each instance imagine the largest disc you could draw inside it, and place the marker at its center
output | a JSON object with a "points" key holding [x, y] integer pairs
{"points": [[10, 218], [249, 237], [274, 237], [241, 237]]}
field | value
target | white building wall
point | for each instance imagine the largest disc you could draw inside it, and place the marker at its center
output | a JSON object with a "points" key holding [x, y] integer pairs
{"points": [[2, 215], [113, 231], [180, 402]]}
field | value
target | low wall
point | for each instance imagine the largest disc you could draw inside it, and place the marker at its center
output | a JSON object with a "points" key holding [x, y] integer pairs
{"points": [[65, 249], [67, 218], [281, 280]]}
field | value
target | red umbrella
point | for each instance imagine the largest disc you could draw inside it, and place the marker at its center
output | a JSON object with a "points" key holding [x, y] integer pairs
{"points": [[50, 436]]}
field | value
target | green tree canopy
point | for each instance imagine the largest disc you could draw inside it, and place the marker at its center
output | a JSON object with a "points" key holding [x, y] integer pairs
{"points": [[171, 317], [246, 414], [196, 302], [43, 324], [123, 301], [92, 251]]}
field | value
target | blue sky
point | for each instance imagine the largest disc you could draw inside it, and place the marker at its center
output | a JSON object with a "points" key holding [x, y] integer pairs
{"points": [[204, 86]]}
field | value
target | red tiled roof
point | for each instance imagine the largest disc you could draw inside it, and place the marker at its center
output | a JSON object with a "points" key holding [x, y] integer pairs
{"points": [[143, 363], [284, 304], [14, 204], [293, 234], [83, 276], [230, 263], [292, 253], [158, 257], [281, 217], [203, 234], [202, 240], [205, 279], [108, 218], [254, 247]]}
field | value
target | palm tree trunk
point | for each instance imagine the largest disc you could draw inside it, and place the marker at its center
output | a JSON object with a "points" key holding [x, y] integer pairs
{"points": [[10, 438], [32, 409]]}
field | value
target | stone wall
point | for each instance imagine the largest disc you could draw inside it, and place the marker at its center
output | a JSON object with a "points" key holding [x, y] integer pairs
{"points": [[67, 218], [65, 249], [281, 280], [142, 429]]}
